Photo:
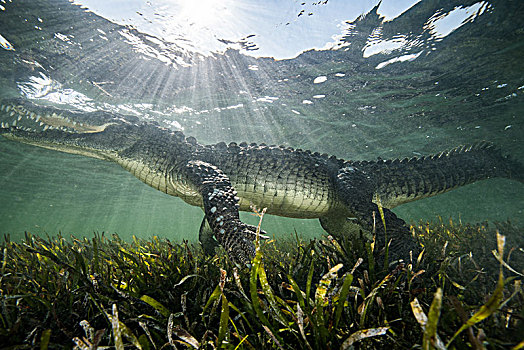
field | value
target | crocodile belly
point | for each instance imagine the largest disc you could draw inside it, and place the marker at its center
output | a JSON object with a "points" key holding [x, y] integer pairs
{"points": [[298, 199], [145, 173]]}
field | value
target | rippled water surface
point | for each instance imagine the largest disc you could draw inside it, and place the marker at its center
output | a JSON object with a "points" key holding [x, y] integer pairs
{"points": [[357, 79]]}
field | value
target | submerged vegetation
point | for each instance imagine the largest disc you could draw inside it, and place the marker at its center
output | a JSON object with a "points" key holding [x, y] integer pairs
{"points": [[464, 291]]}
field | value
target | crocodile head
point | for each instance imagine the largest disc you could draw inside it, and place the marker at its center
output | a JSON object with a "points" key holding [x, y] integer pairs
{"points": [[96, 134]]}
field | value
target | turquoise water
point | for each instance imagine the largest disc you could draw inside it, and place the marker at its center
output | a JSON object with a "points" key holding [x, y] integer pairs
{"points": [[359, 80]]}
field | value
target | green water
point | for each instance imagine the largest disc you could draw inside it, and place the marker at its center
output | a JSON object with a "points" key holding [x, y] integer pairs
{"points": [[451, 89]]}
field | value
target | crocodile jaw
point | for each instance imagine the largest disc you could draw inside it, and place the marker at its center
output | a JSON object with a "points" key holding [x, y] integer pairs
{"points": [[20, 118], [47, 129]]}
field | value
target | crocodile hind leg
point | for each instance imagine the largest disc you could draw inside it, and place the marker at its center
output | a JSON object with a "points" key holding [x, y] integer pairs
{"points": [[356, 196], [401, 243], [337, 224], [221, 212]]}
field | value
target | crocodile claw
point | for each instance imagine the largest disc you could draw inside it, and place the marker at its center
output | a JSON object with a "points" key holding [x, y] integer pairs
{"points": [[251, 232]]}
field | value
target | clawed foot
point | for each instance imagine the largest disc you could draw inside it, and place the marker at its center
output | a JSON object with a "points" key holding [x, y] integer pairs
{"points": [[240, 247], [251, 232], [236, 237]]}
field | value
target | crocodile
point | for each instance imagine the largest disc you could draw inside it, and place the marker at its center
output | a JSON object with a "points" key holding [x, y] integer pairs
{"points": [[225, 178]]}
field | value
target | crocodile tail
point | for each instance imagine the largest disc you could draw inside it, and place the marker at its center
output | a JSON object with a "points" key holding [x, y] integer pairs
{"points": [[402, 181]]}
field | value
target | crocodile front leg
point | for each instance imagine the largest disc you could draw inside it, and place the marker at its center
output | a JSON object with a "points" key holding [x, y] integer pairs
{"points": [[221, 212]]}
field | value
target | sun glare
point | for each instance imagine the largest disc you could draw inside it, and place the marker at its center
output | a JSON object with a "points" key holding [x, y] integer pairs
{"points": [[202, 13]]}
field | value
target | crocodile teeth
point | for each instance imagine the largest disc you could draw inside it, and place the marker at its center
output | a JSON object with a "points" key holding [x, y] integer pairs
{"points": [[14, 122], [2, 107], [2, 125], [41, 124], [8, 108], [19, 117], [38, 118], [32, 115], [46, 127], [12, 113]]}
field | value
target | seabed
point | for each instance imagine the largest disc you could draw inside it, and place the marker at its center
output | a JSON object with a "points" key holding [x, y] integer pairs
{"points": [[464, 291]]}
